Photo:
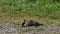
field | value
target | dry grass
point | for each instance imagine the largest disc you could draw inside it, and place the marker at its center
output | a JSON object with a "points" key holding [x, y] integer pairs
{"points": [[18, 19]]}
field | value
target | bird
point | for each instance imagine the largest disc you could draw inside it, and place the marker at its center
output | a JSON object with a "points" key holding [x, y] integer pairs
{"points": [[31, 23]]}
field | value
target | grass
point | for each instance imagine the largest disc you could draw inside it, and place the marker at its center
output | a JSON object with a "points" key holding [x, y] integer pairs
{"points": [[15, 11], [40, 8], [17, 20]]}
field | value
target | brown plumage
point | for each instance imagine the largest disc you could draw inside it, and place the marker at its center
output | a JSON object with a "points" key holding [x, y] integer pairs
{"points": [[30, 23]]}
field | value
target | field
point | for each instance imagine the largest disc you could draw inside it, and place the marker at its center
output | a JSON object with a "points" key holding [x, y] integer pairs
{"points": [[49, 9], [40, 8], [43, 11]]}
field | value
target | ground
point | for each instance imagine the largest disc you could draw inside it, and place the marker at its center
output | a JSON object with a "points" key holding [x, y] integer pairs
{"points": [[12, 25], [18, 19]]}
